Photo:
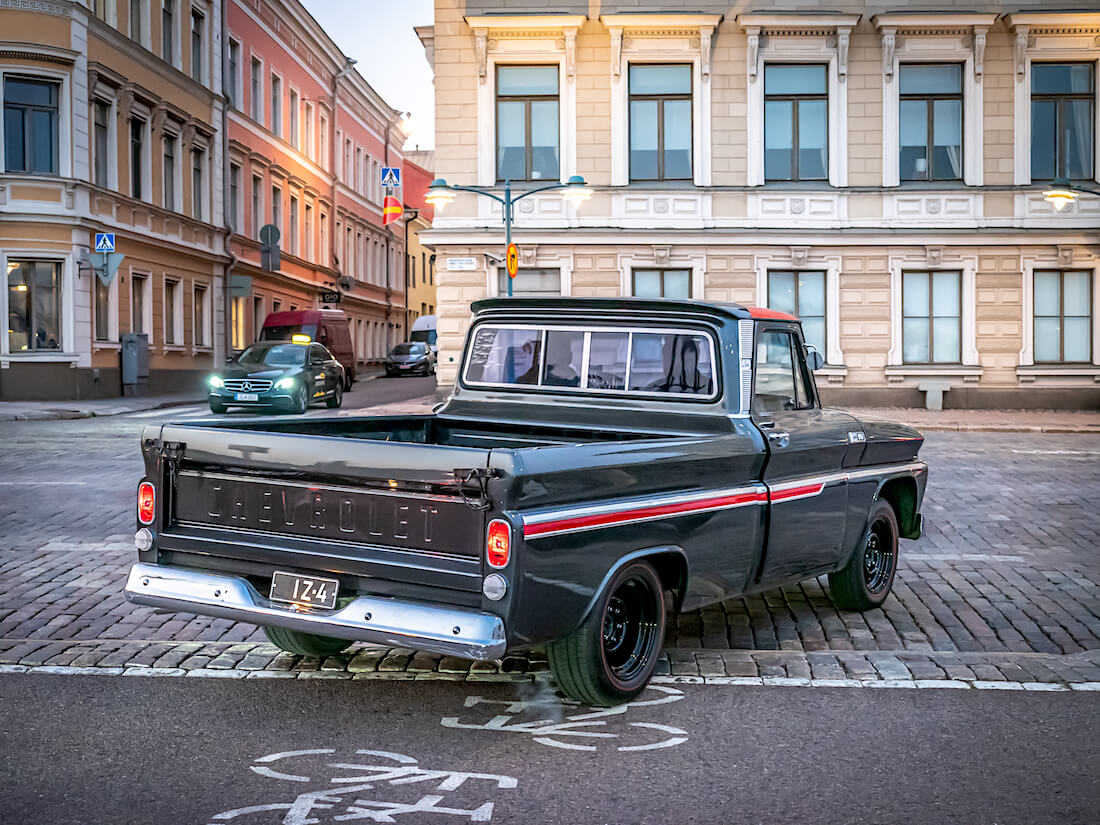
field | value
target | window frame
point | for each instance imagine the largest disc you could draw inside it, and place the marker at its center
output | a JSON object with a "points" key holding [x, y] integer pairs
{"points": [[795, 98], [662, 271], [109, 335], [139, 162], [1059, 100], [200, 333], [168, 51], [173, 322], [168, 137], [661, 98], [198, 72], [107, 105], [630, 329], [146, 278], [526, 99], [798, 314], [794, 336], [929, 101], [1062, 316], [276, 113], [256, 204], [199, 210], [256, 88], [56, 145], [61, 266], [931, 316]]}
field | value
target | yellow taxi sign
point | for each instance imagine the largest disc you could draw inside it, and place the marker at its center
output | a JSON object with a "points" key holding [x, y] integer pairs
{"points": [[300, 339]]}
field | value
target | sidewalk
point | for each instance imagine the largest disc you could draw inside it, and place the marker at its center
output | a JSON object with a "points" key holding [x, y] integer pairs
{"points": [[1021, 421]]}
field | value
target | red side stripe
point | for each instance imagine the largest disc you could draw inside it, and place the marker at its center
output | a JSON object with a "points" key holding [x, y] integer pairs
{"points": [[606, 519], [796, 492]]}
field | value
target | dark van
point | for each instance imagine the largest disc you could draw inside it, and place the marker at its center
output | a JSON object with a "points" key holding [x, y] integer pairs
{"points": [[325, 326]]}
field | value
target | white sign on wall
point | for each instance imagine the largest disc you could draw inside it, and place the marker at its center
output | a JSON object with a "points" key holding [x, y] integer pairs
{"points": [[461, 264]]}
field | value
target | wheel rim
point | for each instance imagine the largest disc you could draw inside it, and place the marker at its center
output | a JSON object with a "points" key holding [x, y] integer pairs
{"points": [[630, 628], [339, 395], [878, 557]]}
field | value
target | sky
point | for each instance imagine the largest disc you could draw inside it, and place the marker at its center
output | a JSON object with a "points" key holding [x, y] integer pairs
{"points": [[379, 34]]}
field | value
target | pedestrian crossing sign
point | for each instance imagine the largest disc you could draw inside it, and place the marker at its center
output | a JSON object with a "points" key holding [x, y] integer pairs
{"points": [[391, 176], [104, 241]]}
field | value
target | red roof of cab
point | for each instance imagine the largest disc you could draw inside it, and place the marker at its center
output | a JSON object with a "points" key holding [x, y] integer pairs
{"points": [[765, 314]]}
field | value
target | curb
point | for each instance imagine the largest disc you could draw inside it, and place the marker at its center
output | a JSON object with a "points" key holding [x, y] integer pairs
{"points": [[62, 414]]}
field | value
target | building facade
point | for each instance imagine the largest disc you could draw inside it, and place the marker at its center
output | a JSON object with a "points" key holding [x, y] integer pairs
{"points": [[308, 139], [111, 124], [419, 259], [876, 169]]}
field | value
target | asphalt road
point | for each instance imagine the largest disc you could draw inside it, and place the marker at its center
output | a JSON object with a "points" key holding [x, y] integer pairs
{"points": [[94, 749]]}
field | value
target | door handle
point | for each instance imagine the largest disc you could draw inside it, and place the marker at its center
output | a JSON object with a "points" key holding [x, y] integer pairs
{"points": [[779, 439]]}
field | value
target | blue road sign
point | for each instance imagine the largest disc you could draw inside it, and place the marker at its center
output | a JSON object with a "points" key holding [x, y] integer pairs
{"points": [[104, 241], [391, 176]]}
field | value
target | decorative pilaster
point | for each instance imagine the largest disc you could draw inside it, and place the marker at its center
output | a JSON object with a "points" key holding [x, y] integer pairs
{"points": [[843, 36], [889, 42], [570, 53], [1021, 50], [752, 55], [616, 51], [979, 50], [481, 43]]}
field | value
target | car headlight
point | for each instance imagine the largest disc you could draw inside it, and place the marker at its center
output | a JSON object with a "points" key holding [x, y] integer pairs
{"points": [[216, 382], [284, 383]]}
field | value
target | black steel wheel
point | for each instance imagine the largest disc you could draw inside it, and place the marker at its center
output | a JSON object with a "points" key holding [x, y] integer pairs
{"points": [[306, 644], [610, 658], [336, 399], [869, 575]]}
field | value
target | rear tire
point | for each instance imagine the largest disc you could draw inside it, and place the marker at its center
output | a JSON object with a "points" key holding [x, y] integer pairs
{"points": [[866, 580], [217, 407], [306, 644], [337, 398], [610, 658]]}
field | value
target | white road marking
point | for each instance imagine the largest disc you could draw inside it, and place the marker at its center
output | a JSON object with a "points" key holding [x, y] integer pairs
{"points": [[41, 483], [1057, 452]]}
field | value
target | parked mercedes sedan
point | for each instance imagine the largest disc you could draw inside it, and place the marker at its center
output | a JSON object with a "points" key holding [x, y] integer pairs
{"points": [[410, 358], [282, 376]]}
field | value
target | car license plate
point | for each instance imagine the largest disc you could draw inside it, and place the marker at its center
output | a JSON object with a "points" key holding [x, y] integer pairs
{"points": [[306, 590], [247, 396], [405, 366]]}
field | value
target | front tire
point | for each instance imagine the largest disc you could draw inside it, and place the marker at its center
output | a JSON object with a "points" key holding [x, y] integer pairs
{"points": [[610, 658], [869, 575], [336, 399], [301, 400], [306, 644], [217, 407]]}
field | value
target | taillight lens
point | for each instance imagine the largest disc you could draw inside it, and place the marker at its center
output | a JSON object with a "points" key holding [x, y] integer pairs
{"points": [[147, 502], [498, 543]]}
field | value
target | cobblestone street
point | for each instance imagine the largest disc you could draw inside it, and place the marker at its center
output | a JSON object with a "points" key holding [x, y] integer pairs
{"points": [[1003, 587]]}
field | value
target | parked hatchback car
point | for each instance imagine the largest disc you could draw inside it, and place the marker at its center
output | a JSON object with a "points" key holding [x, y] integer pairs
{"points": [[283, 376], [410, 358]]}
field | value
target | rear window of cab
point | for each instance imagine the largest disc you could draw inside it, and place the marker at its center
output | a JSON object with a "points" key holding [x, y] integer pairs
{"points": [[657, 362]]}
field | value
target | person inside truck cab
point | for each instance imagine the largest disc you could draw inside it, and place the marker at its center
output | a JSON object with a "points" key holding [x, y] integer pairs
{"points": [[559, 361]]}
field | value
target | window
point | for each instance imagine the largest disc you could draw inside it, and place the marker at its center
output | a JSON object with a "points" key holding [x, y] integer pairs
{"points": [[101, 117], [235, 196], [293, 233], [234, 73], [294, 116], [137, 26], [197, 23], [171, 309], [322, 253], [641, 361], [30, 125], [527, 123], [257, 205], [309, 232], [200, 334], [1063, 317], [1062, 120], [276, 105], [323, 133], [99, 9], [257, 316], [662, 283], [660, 122], [256, 90], [102, 309], [931, 317], [307, 129], [237, 310], [138, 303], [801, 294], [137, 157], [531, 282], [277, 208], [34, 305], [276, 305], [930, 121], [796, 122], [781, 380], [198, 194], [169, 172], [167, 35], [359, 170]]}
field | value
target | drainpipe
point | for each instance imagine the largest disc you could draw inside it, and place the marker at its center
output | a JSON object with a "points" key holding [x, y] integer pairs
{"points": [[227, 220], [389, 236], [333, 239]]}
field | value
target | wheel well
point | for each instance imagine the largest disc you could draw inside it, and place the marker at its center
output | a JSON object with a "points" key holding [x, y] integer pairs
{"points": [[672, 569], [901, 493]]}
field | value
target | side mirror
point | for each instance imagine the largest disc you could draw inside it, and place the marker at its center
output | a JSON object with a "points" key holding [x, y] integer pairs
{"points": [[230, 359], [814, 359]]}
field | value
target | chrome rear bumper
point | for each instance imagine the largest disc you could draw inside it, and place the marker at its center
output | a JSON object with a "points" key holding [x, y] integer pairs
{"points": [[444, 630]]}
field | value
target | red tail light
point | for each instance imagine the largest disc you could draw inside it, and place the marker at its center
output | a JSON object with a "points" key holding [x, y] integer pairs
{"points": [[498, 543], [147, 503]]}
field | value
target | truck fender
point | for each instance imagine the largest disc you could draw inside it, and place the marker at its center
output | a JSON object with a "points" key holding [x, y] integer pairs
{"points": [[649, 552]]}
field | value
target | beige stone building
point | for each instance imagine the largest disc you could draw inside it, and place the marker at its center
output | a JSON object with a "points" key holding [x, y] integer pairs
{"points": [[110, 125], [877, 170]]}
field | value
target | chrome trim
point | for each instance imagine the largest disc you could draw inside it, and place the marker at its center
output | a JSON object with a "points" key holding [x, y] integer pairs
{"points": [[744, 345], [254, 384], [916, 467], [444, 630]]}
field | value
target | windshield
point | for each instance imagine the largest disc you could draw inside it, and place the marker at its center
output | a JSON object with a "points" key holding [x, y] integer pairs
{"points": [[285, 333], [410, 349], [280, 355], [426, 336]]}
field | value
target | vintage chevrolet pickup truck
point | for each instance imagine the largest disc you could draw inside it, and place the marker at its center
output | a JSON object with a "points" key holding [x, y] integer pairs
{"points": [[599, 462]]}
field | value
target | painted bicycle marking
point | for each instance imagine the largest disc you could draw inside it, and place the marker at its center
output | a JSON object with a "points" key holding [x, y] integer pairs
{"points": [[374, 789], [579, 731]]}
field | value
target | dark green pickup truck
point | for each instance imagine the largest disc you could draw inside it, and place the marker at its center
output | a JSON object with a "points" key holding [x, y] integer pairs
{"points": [[600, 463]]}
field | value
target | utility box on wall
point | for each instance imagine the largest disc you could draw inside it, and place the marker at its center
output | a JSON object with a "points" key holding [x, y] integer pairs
{"points": [[135, 363]]}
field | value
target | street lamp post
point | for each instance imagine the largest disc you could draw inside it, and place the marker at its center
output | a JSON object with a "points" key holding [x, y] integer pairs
{"points": [[440, 193], [1061, 194]]}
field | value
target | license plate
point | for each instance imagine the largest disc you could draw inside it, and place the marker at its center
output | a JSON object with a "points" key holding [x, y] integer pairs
{"points": [[307, 590], [406, 366], [247, 396]]}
